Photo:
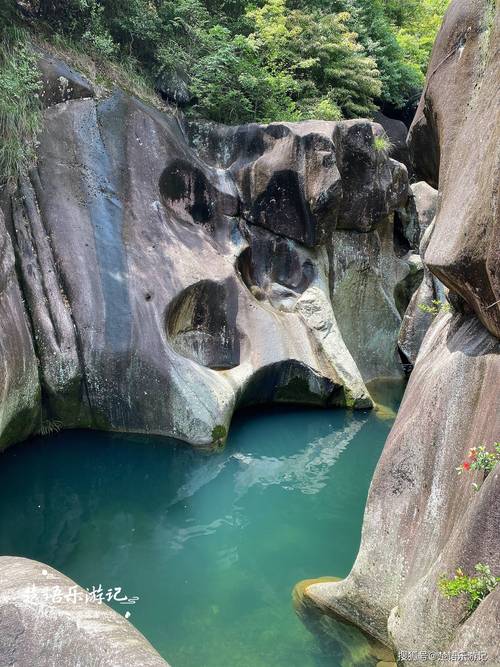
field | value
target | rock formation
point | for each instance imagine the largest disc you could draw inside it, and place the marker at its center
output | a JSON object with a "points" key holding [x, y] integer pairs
{"points": [[396, 131], [46, 619], [430, 292], [422, 520], [170, 272]]}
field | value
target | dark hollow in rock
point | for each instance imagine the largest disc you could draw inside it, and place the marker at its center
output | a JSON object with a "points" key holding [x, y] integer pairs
{"points": [[272, 261], [289, 381], [201, 324], [283, 203], [402, 244], [186, 189]]}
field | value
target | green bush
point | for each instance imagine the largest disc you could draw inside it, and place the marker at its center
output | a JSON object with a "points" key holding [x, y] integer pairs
{"points": [[475, 588], [219, 433], [382, 143]]}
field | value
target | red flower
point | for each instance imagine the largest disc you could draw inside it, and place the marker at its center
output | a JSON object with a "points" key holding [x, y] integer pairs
{"points": [[466, 465]]}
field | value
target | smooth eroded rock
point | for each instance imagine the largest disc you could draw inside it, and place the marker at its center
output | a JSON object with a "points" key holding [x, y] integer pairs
{"points": [[422, 520], [47, 620], [461, 104]]}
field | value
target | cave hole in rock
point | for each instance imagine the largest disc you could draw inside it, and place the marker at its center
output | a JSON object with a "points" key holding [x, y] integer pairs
{"points": [[201, 324], [282, 207], [290, 381]]}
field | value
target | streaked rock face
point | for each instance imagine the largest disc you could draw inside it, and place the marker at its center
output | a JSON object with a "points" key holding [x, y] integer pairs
{"points": [[416, 321], [46, 619], [172, 272], [19, 381]]}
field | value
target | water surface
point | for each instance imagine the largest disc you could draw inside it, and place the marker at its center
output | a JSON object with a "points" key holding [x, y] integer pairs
{"points": [[211, 545]]}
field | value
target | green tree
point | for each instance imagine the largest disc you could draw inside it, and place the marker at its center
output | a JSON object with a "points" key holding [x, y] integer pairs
{"points": [[266, 60]]}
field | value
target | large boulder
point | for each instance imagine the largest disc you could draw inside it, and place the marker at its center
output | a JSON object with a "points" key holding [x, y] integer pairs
{"points": [[367, 276], [431, 292], [59, 81], [460, 105], [173, 272], [426, 202], [422, 520], [46, 619]]}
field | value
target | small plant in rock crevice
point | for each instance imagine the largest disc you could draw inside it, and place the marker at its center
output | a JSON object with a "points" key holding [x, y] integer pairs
{"points": [[219, 433], [480, 458], [382, 143], [476, 588], [50, 426], [436, 306]]}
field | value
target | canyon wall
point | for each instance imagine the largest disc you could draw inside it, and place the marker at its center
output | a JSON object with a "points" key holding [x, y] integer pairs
{"points": [[422, 520], [168, 272]]}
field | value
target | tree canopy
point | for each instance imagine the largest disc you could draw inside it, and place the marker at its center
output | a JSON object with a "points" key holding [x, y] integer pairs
{"points": [[247, 60]]}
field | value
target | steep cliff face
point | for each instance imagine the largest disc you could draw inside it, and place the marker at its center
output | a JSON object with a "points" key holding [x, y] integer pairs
{"points": [[422, 520], [172, 272]]}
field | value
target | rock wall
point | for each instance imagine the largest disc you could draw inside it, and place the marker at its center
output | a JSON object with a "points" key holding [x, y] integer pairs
{"points": [[19, 381], [172, 272], [422, 520]]}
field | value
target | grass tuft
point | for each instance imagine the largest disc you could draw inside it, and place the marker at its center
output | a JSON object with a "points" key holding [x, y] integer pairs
{"points": [[382, 143], [20, 107]]}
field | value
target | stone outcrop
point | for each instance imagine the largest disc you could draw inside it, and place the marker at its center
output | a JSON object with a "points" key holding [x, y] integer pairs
{"points": [[422, 520], [46, 619], [171, 272], [60, 82], [431, 292], [459, 118]]}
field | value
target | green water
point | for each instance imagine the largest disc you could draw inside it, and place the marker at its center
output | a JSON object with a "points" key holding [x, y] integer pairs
{"points": [[212, 546]]}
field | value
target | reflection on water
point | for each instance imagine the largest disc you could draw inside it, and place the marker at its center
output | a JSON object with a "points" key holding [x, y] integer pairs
{"points": [[211, 545]]}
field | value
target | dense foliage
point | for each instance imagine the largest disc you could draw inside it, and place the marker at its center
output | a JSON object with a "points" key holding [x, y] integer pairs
{"points": [[267, 60], [20, 114]]}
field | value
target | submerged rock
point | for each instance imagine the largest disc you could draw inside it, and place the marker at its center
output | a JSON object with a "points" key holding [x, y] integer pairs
{"points": [[46, 619], [172, 272]]}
